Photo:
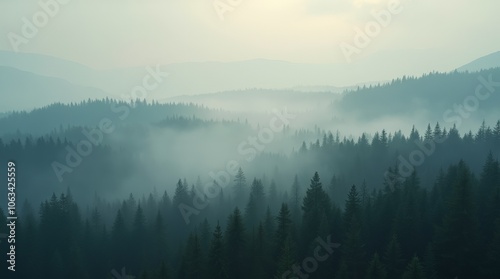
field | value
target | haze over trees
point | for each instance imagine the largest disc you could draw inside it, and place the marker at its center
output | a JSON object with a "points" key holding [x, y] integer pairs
{"points": [[386, 226], [185, 191]]}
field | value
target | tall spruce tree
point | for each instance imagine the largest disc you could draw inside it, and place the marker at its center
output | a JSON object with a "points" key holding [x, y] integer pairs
{"points": [[254, 211], [284, 228], [236, 246], [295, 200], [393, 259], [352, 249], [456, 239], [315, 204], [217, 256], [240, 188]]}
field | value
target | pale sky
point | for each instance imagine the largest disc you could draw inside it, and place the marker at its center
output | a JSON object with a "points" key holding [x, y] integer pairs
{"points": [[121, 33]]}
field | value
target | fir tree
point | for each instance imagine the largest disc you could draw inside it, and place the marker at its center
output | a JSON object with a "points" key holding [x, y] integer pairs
{"points": [[255, 206], [393, 259], [414, 270], [217, 261], [235, 246], [376, 269], [240, 187], [315, 204], [456, 252]]}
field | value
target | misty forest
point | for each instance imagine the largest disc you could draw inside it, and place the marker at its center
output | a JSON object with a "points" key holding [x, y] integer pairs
{"points": [[139, 189], [242, 139]]}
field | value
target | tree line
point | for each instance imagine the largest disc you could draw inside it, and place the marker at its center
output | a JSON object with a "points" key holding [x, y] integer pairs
{"points": [[400, 230]]}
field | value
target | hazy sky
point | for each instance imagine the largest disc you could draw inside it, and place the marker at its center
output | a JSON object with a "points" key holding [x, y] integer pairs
{"points": [[116, 33]]}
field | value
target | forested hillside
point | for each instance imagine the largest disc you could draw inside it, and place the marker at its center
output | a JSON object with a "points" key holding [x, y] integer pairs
{"points": [[267, 139], [431, 97], [402, 231], [333, 208], [89, 113]]}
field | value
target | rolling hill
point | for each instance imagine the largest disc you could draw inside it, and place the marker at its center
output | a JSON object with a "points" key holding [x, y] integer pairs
{"points": [[486, 62]]}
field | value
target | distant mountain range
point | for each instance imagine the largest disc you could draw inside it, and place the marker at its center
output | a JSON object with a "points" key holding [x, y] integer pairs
{"points": [[262, 100], [20, 90], [428, 99], [33, 80]]}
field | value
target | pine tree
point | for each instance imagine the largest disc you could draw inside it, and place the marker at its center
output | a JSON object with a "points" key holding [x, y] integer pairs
{"points": [[324, 226], [273, 196], [159, 241], [393, 260], [28, 245], [303, 148], [414, 135], [496, 133], [493, 259], [181, 203], [75, 263], [295, 200], [138, 232], [408, 220], [315, 204], [269, 225], [193, 259], [414, 270], [352, 207], [181, 195], [384, 141], [240, 187], [254, 210], [284, 227], [96, 221], [376, 269], [481, 133], [217, 261], [352, 249], [205, 236], [235, 246], [428, 133], [165, 203], [438, 134], [489, 184], [119, 239], [286, 258], [151, 207], [128, 210], [262, 255], [456, 252]]}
